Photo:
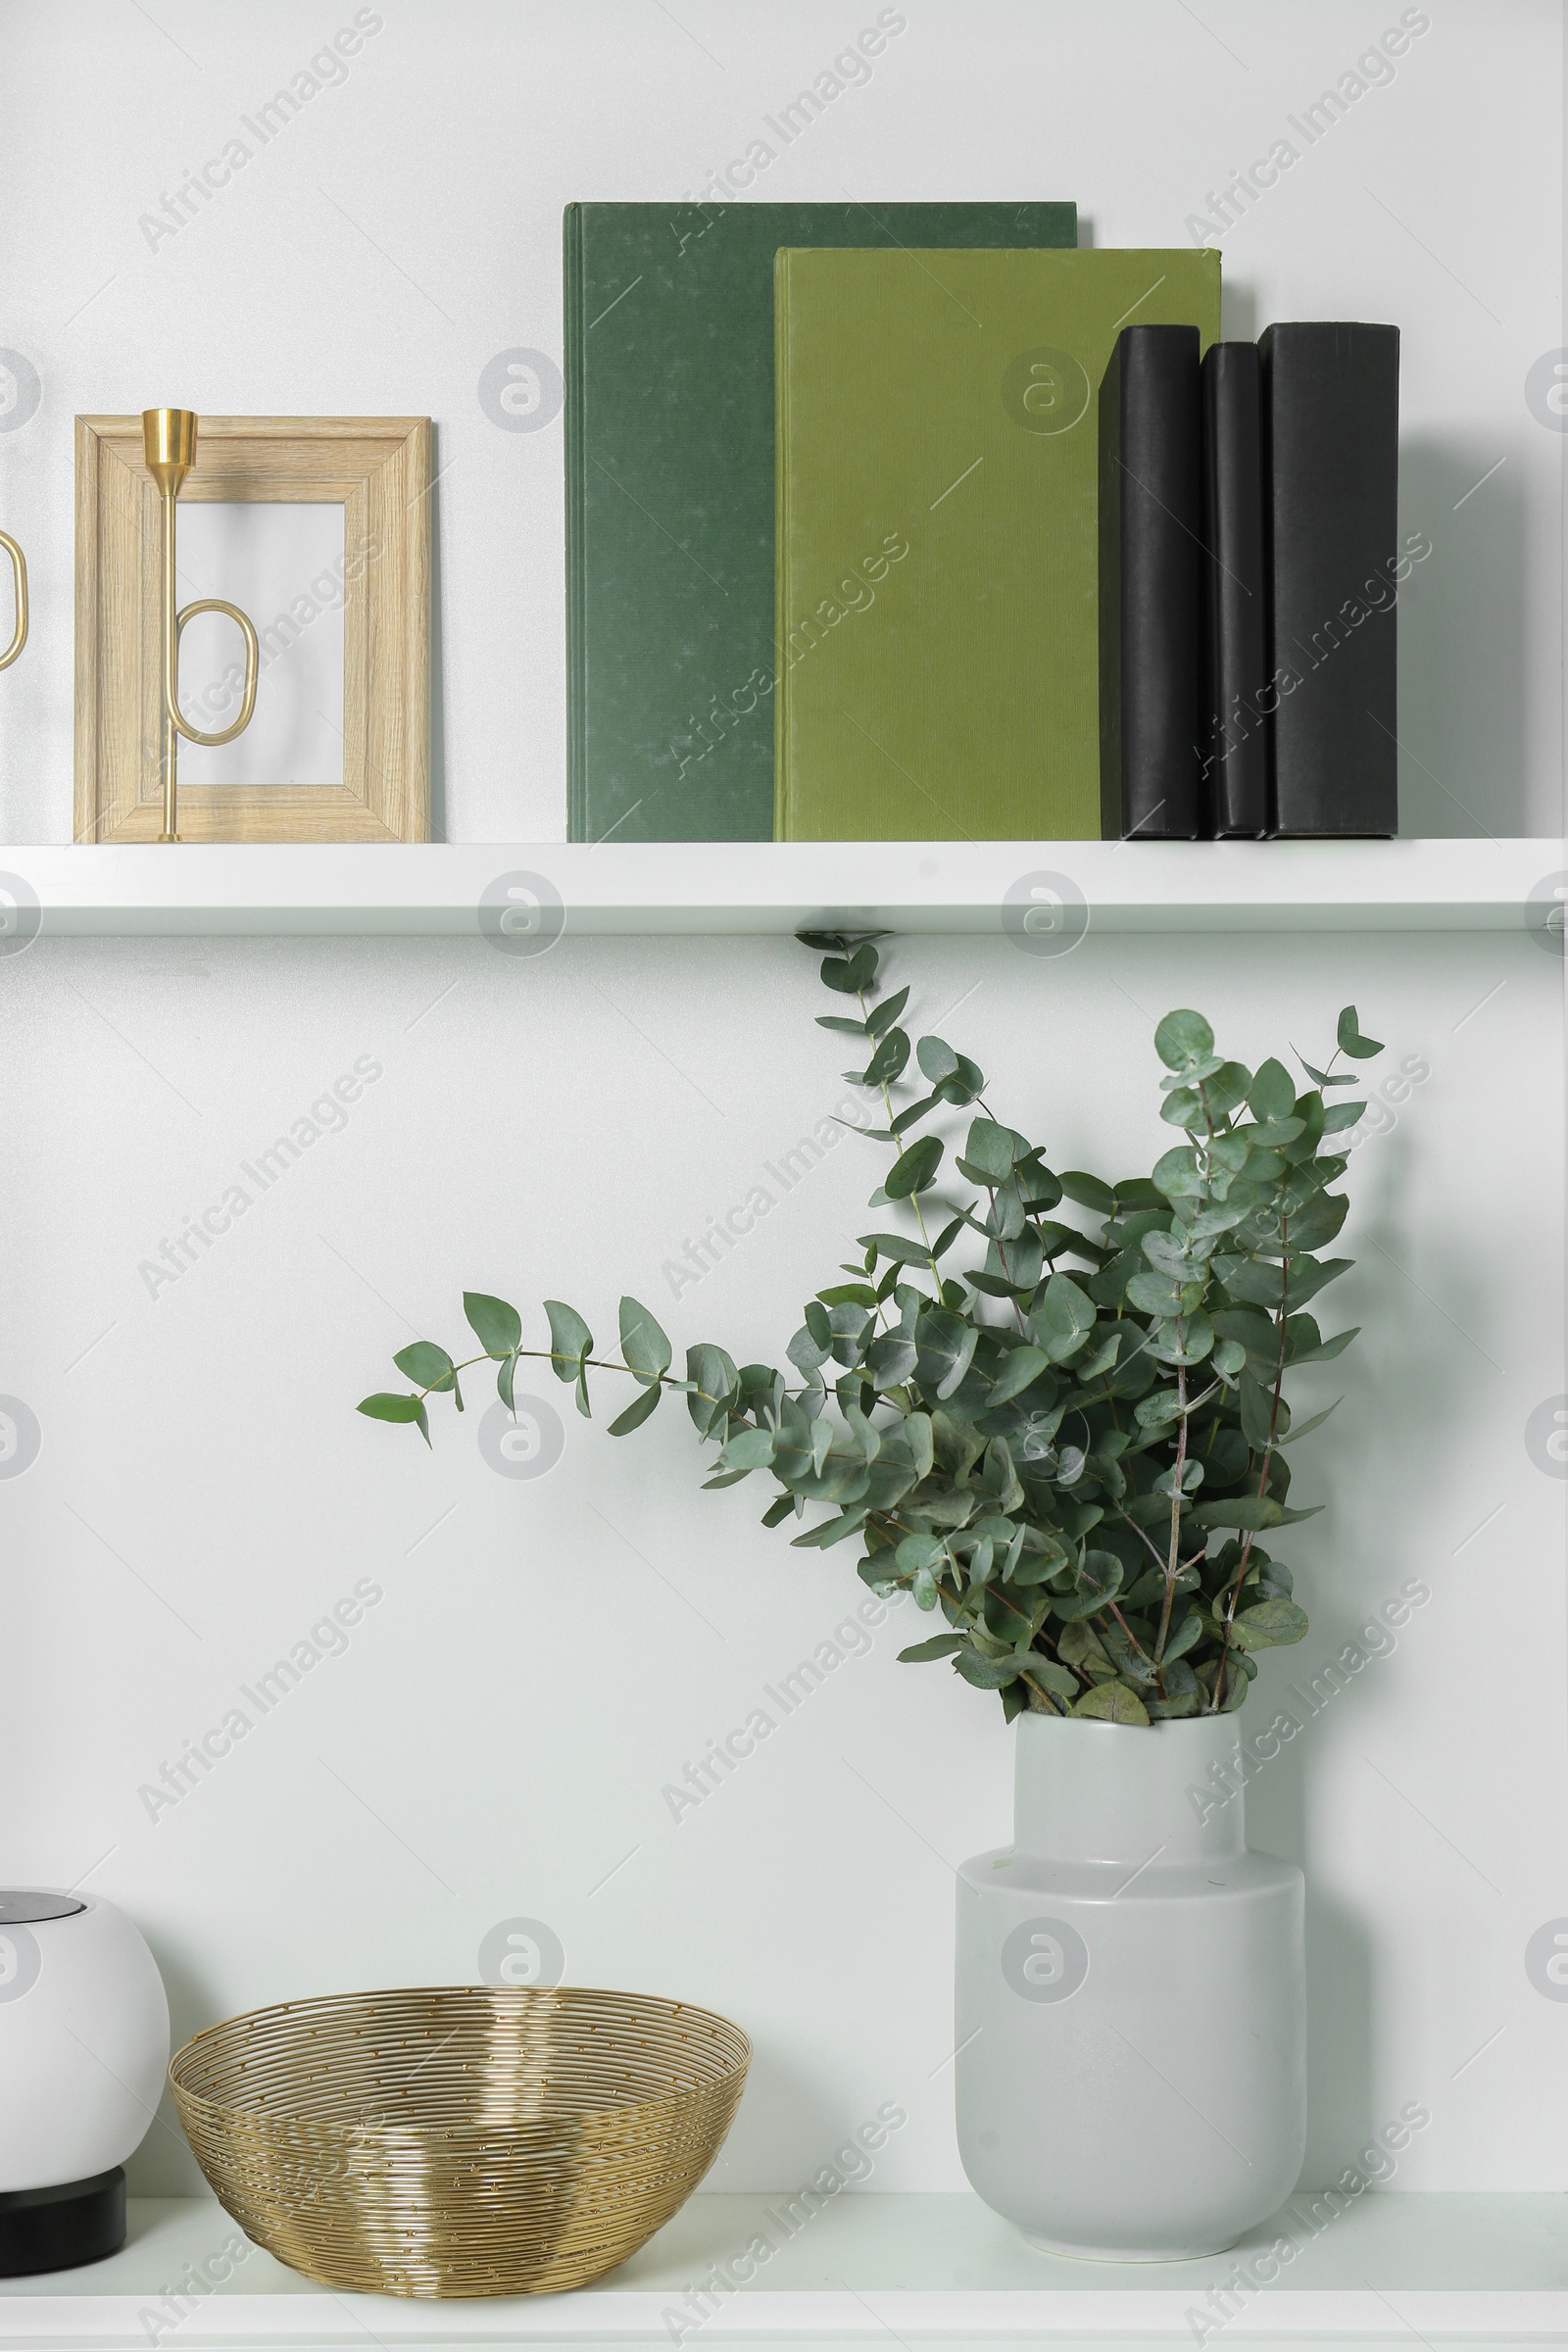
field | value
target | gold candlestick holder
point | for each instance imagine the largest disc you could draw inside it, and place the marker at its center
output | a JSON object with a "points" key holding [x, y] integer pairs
{"points": [[168, 437], [18, 575]]}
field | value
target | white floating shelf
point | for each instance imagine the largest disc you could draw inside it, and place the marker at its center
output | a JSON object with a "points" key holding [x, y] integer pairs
{"points": [[923, 2271], [762, 887]]}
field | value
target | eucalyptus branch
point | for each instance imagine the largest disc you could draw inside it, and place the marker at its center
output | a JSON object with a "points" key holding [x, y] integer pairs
{"points": [[919, 1214], [937, 1442]]}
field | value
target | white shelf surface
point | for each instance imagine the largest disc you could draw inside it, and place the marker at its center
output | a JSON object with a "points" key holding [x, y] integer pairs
{"points": [[932, 2272], [762, 887]]}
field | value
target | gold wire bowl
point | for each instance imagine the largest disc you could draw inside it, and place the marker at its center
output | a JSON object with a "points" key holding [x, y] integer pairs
{"points": [[461, 2140]]}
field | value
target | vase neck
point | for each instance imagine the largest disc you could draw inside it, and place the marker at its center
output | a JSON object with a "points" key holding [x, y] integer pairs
{"points": [[1087, 1791]]}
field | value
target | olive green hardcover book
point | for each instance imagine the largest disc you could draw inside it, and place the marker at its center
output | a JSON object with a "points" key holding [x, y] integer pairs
{"points": [[938, 565], [670, 494]]}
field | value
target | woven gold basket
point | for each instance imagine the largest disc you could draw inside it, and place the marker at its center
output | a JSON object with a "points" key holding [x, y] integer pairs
{"points": [[464, 2140]]}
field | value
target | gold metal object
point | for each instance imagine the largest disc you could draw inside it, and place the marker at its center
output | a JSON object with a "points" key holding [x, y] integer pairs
{"points": [[459, 2140], [18, 575], [169, 438]]}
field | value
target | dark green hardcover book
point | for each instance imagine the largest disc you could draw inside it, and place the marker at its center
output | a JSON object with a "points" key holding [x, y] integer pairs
{"points": [[670, 494], [937, 541]]}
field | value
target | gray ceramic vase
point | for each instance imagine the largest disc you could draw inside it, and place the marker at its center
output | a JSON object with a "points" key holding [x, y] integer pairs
{"points": [[1131, 2076]]}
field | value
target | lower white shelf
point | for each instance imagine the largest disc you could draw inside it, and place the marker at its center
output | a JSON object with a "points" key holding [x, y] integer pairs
{"points": [[1043, 892], [940, 2272]]}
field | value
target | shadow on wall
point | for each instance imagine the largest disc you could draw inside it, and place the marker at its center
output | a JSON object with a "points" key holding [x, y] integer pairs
{"points": [[1463, 649], [164, 2166], [438, 767], [790, 2107], [1338, 1949], [1238, 311]]}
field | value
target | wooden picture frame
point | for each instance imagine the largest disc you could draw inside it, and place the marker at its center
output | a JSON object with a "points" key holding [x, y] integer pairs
{"points": [[379, 468]]}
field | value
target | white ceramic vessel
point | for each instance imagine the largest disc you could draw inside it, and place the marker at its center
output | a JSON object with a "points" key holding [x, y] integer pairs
{"points": [[83, 2049], [1131, 2076]]}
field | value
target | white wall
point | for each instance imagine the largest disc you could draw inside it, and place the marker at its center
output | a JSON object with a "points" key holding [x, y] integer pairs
{"points": [[406, 228], [549, 1653]]}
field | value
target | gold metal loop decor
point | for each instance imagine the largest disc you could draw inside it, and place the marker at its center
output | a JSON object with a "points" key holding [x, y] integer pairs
{"points": [[459, 2140], [19, 582], [168, 440]]}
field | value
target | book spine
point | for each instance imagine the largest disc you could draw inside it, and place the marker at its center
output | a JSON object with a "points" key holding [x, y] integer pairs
{"points": [[1330, 445], [783, 797], [573, 355], [1151, 585], [1236, 743], [1109, 597]]}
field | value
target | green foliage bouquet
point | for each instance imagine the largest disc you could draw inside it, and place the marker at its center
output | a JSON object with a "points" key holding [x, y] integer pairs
{"points": [[1072, 1468]]}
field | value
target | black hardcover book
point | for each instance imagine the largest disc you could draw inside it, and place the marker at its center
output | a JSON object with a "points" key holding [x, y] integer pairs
{"points": [[1151, 587], [1331, 455], [1236, 746]]}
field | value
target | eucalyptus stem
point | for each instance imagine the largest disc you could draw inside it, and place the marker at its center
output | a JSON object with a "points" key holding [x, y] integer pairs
{"points": [[1173, 1562]]}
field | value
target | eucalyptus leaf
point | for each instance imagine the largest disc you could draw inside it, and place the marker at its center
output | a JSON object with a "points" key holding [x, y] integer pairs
{"points": [[496, 1326], [1089, 1191], [989, 1150], [713, 1382], [1272, 1094], [1349, 1038], [1182, 1039], [1063, 1318], [387, 1407], [1242, 1510], [940, 1646], [1112, 1703], [1268, 1624], [945, 1344], [987, 1674], [643, 1345], [805, 1352], [569, 1340], [1021, 1370], [1302, 1429], [1307, 1276], [1184, 1636], [846, 1293], [1163, 1406], [1046, 1675], [426, 1363], [1251, 1331], [937, 1059], [891, 1360], [913, 1170], [637, 1413], [1325, 1351], [1178, 1175], [917, 1551], [910, 1117], [887, 1062], [887, 1013], [901, 1248]]}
